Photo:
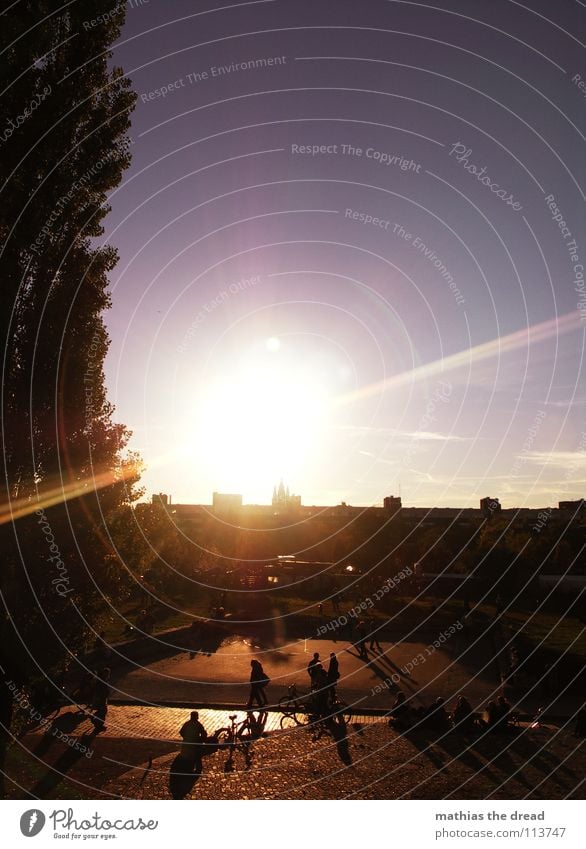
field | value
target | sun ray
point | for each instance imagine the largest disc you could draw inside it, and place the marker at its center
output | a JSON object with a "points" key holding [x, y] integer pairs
{"points": [[486, 350]]}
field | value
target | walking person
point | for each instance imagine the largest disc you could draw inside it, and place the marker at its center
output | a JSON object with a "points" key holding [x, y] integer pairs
{"points": [[194, 737], [374, 643], [101, 695], [258, 681]]}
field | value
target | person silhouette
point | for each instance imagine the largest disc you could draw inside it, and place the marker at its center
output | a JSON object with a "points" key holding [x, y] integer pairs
{"points": [[333, 674], [311, 666], [258, 681], [194, 737], [101, 695]]}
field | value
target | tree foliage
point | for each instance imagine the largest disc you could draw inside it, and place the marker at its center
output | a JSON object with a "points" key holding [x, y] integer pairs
{"points": [[63, 147]]}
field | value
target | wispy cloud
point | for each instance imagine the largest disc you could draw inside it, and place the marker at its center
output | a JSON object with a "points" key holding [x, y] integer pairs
{"points": [[437, 437], [408, 434], [560, 459], [570, 402]]}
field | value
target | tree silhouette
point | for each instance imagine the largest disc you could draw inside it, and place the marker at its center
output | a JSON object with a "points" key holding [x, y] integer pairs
{"points": [[63, 147]]}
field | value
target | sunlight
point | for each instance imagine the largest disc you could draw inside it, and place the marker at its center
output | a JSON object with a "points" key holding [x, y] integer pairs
{"points": [[264, 423]]}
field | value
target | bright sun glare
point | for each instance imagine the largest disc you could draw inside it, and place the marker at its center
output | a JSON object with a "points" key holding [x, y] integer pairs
{"points": [[261, 423]]}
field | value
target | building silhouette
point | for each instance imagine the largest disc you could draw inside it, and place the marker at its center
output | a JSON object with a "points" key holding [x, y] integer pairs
{"points": [[283, 499]]}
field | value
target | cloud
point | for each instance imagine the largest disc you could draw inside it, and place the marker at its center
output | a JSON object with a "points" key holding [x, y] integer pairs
{"points": [[408, 434], [437, 437], [559, 459], [571, 402]]}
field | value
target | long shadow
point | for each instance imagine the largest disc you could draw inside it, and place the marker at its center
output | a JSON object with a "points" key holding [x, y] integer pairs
{"points": [[497, 747], [397, 669], [548, 760], [461, 747], [383, 674], [64, 724], [337, 728], [420, 741], [531, 752], [44, 788], [182, 778]]}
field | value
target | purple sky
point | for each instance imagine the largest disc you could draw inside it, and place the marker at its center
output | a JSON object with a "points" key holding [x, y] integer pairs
{"points": [[287, 306]]}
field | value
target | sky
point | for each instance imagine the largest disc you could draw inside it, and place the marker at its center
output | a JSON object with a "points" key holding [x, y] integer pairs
{"points": [[351, 250]]}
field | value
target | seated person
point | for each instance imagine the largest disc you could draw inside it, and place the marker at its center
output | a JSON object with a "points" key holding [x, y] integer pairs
{"points": [[437, 718], [463, 715], [491, 714], [400, 714], [503, 712]]}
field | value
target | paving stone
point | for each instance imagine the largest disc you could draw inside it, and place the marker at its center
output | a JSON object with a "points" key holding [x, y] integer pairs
{"points": [[136, 758]]}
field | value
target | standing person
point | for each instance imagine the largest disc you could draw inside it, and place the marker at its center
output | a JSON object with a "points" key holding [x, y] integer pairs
{"points": [[312, 665], [194, 737], [374, 643], [102, 692], [321, 691], [333, 675], [258, 681], [361, 640]]}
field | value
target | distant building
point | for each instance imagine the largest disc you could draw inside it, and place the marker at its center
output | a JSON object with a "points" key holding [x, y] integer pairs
{"points": [[488, 506], [161, 499], [574, 506], [392, 504], [282, 497], [224, 503]]}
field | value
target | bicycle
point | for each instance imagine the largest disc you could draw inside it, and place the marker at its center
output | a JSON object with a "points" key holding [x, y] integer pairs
{"points": [[293, 702], [243, 732], [304, 711], [333, 722], [237, 734]]}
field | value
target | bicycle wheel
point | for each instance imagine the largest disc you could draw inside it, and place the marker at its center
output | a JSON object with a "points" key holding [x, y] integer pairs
{"points": [[303, 718], [224, 736], [288, 721], [287, 706], [245, 733]]}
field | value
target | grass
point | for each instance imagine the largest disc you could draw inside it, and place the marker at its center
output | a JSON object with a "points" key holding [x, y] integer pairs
{"points": [[549, 630]]}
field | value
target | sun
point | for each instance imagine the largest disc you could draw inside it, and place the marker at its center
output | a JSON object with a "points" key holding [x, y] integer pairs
{"points": [[273, 344], [264, 422]]}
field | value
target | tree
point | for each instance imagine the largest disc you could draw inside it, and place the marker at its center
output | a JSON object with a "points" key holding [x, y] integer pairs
{"points": [[63, 147]]}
